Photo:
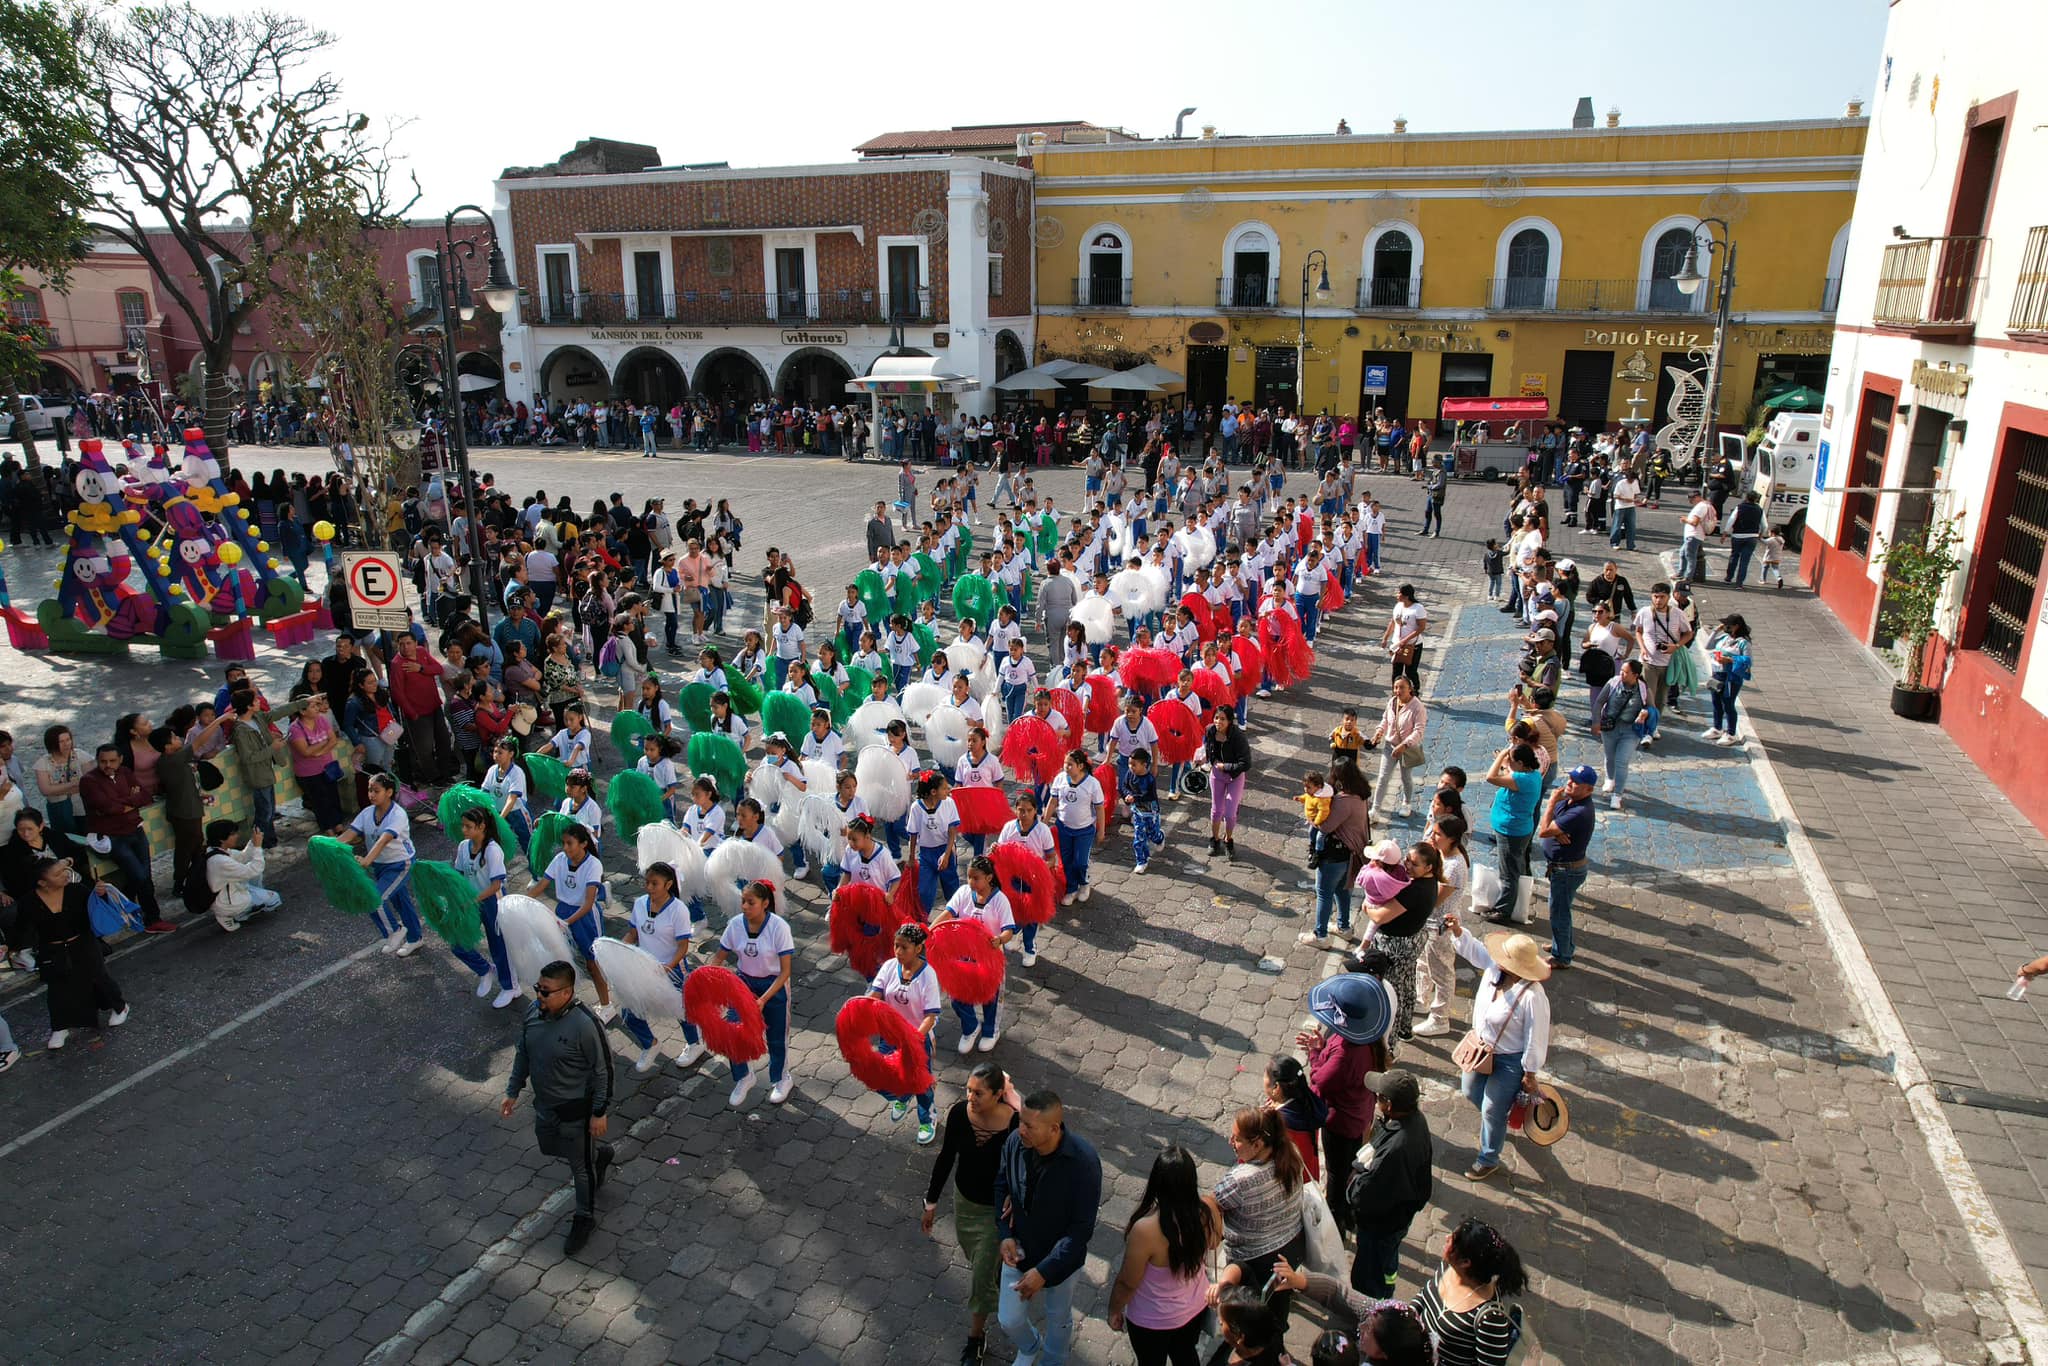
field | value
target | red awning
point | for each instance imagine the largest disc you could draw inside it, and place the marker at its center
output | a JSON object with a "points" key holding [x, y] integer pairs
{"points": [[1507, 409]]}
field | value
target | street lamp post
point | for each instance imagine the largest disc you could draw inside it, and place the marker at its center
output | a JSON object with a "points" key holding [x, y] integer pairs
{"points": [[1314, 261], [458, 306], [1689, 279]]}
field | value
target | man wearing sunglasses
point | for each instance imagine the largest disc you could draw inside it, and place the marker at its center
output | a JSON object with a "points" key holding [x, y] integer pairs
{"points": [[562, 1050]]}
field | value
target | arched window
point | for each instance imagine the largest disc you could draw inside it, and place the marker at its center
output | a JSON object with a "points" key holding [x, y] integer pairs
{"points": [[134, 309], [1394, 278], [424, 270], [1105, 278], [1251, 267], [1528, 267], [1667, 258], [26, 306]]}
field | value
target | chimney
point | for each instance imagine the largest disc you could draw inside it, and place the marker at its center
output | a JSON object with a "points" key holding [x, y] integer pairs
{"points": [[1209, 131], [1854, 111], [1400, 123], [1582, 117], [1614, 116]]}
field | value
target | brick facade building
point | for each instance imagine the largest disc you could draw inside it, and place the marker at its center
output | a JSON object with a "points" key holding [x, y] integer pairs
{"points": [[652, 282]]}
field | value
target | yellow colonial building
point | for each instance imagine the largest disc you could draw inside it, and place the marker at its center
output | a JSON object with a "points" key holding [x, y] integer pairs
{"points": [[1459, 265]]}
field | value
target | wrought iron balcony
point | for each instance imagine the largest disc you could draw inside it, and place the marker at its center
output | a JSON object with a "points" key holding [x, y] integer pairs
{"points": [[1520, 294], [1102, 293], [1930, 284], [1248, 292], [728, 307], [1395, 292]]}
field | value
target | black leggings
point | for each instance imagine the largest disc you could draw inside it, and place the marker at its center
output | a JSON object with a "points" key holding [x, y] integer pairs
{"points": [[1159, 1346]]}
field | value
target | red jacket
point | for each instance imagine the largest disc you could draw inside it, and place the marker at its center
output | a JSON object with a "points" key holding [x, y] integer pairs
{"points": [[1336, 1072], [113, 806], [415, 694]]}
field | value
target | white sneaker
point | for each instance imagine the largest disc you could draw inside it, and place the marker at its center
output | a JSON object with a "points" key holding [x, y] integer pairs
{"points": [[1312, 939], [58, 1037], [25, 960], [649, 1059], [1710, 733], [1727, 740], [1140, 867], [741, 1091], [1407, 811], [607, 1013], [393, 940], [504, 998], [1432, 1026], [1030, 959], [229, 926], [1067, 900], [411, 947], [1265, 692], [691, 1054], [967, 1041], [9, 1058], [484, 985], [779, 1092], [1607, 786], [1087, 890], [119, 1017], [1617, 801], [988, 1041]]}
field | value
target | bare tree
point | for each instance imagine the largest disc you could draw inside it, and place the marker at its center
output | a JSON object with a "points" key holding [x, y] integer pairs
{"points": [[207, 118]]}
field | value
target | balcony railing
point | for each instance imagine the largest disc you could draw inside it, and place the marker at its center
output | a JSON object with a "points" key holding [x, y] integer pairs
{"points": [[1248, 291], [728, 307], [1398, 292], [2030, 294], [1628, 295], [1102, 293], [1930, 283]]}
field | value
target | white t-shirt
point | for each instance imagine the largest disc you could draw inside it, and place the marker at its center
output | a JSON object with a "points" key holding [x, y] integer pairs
{"points": [[1077, 803], [698, 823], [907, 756], [987, 773], [510, 782], [395, 824], [1659, 634], [481, 869], [572, 747], [663, 771], [760, 955], [913, 999], [662, 932], [1700, 520], [876, 870], [589, 815], [994, 914], [789, 641], [828, 749], [934, 826], [1408, 619], [570, 883], [540, 566], [1017, 673], [1127, 740], [1039, 837], [767, 839]]}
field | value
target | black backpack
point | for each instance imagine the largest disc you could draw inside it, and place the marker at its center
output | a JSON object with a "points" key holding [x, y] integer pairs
{"points": [[197, 891]]}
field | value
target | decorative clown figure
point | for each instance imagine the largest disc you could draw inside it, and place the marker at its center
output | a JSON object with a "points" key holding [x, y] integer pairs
{"points": [[95, 590], [195, 563]]}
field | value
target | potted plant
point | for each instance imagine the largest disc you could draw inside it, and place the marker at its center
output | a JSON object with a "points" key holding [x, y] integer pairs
{"points": [[1917, 572]]}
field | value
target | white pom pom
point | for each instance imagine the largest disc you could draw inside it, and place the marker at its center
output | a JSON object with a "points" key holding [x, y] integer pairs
{"points": [[945, 733], [1094, 616], [638, 983], [787, 819], [534, 938], [1157, 585], [921, 699], [820, 826], [765, 783], [882, 783], [965, 656], [1203, 553], [993, 722], [661, 843], [819, 777], [734, 864], [690, 870], [1127, 590], [982, 682], [869, 724]]}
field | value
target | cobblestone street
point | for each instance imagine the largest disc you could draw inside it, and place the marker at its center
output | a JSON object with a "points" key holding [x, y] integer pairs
{"points": [[293, 1152]]}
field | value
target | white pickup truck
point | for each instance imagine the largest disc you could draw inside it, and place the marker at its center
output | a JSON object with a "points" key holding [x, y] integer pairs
{"points": [[40, 415]]}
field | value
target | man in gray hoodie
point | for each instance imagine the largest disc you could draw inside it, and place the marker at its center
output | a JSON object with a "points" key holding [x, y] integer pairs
{"points": [[562, 1050], [1057, 594]]}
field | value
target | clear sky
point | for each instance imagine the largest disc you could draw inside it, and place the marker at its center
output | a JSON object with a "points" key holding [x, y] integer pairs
{"points": [[783, 82]]}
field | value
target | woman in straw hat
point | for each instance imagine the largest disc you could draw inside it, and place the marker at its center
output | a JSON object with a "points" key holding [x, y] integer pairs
{"points": [[1510, 1034]]}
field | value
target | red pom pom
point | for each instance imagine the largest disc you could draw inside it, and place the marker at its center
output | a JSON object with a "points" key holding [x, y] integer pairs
{"points": [[1180, 734], [1100, 711], [863, 924], [983, 810], [1026, 879], [726, 1013], [1032, 751], [1149, 671], [1363, 567], [1251, 664], [1214, 690], [1105, 778], [1301, 657], [1197, 606], [1273, 640], [1069, 707], [967, 959], [1304, 529], [882, 1049], [906, 904], [1333, 595]]}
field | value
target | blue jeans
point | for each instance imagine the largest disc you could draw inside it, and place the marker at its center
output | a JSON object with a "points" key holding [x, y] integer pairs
{"points": [[1305, 605], [1075, 846], [130, 853], [1692, 554], [774, 1014], [1564, 887], [397, 908], [1372, 549], [1624, 520], [1145, 833], [265, 799], [1740, 549], [924, 1100], [977, 1017], [932, 879], [1333, 891], [643, 1033], [1619, 746], [1432, 512], [1493, 1092], [1723, 693], [1492, 586], [1034, 1347]]}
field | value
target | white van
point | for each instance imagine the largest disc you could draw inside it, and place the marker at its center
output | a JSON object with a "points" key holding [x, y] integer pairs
{"points": [[1782, 473]]}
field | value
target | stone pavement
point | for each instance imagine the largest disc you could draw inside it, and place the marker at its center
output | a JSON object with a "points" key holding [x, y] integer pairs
{"points": [[321, 1176]]}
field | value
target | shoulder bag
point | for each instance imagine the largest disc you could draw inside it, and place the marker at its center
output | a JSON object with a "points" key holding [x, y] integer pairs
{"points": [[1474, 1054]]}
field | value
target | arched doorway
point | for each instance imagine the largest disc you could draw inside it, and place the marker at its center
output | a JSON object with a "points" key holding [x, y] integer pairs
{"points": [[1009, 354], [813, 378], [572, 375], [481, 375], [58, 381], [650, 376], [730, 376]]}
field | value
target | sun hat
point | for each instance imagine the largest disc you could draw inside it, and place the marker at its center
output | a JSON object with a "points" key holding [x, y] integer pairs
{"points": [[1519, 954], [523, 717], [1354, 1005], [1549, 1118]]}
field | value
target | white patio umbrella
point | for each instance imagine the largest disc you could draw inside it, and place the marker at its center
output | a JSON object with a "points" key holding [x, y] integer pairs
{"points": [[1125, 384], [1072, 370], [1157, 374], [1038, 381]]}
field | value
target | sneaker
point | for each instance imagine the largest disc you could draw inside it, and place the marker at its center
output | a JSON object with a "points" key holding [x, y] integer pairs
{"points": [[1265, 692], [967, 1039], [926, 1132], [779, 1092], [1067, 900], [988, 1041], [393, 940], [1230, 850], [484, 985], [607, 1013], [691, 1054], [649, 1059], [580, 1229], [9, 1058], [119, 1017], [1607, 786], [1432, 1026], [898, 1109], [1726, 740], [605, 1157], [1087, 890], [411, 947], [1215, 848], [1617, 801], [25, 960], [504, 998], [1710, 733], [58, 1037], [1030, 959], [740, 1091], [1407, 811], [1476, 1172], [1140, 867], [160, 927], [1313, 940]]}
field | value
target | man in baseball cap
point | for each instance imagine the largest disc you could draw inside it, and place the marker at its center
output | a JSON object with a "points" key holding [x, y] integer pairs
{"points": [[1392, 1184], [1565, 833]]}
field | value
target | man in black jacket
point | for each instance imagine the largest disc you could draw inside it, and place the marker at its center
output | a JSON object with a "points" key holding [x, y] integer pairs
{"points": [[1613, 588], [1744, 529], [1390, 1182], [563, 1053]]}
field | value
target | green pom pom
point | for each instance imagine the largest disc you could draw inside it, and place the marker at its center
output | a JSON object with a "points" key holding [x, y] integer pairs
{"points": [[1048, 536], [635, 800], [930, 575], [746, 696], [695, 700], [547, 840], [927, 643], [547, 780], [627, 728], [859, 687], [831, 698], [974, 597], [908, 594], [788, 713], [462, 797], [348, 886], [874, 595], [720, 758], [447, 903]]}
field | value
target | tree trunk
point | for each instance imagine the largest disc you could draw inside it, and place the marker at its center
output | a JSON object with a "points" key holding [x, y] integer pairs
{"points": [[217, 405], [29, 454]]}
